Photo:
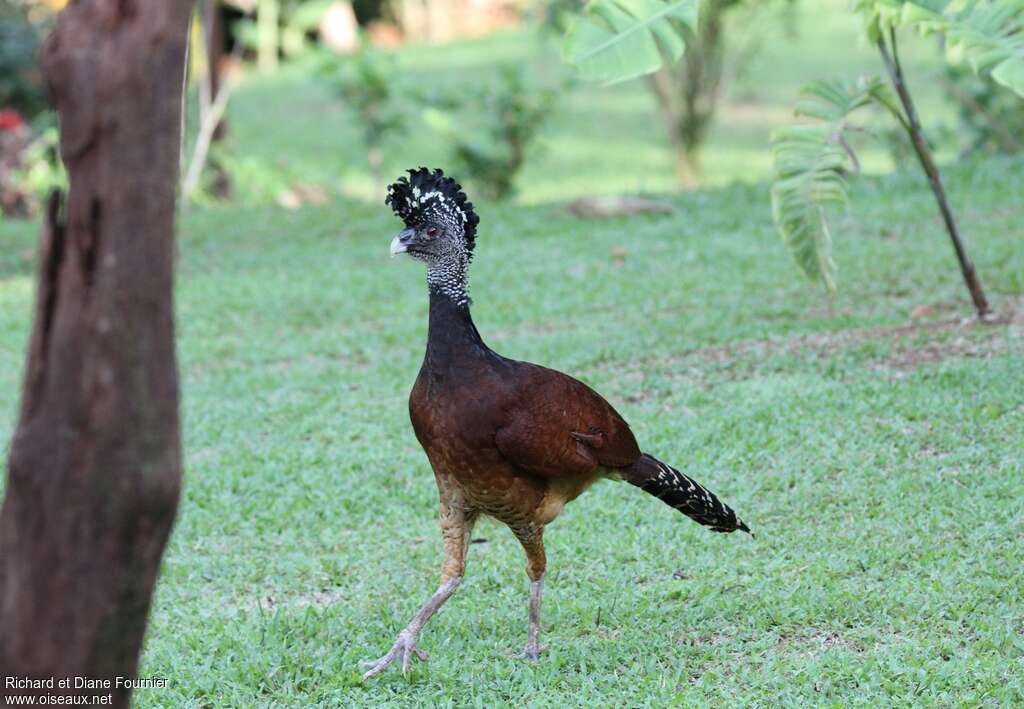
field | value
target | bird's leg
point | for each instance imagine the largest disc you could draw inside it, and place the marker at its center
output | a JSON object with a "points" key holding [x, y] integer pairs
{"points": [[532, 649], [456, 527], [536, 562], [405, 645]]}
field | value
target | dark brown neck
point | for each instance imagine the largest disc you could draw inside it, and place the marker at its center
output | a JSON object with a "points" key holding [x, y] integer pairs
{"points": [[451, 332]]}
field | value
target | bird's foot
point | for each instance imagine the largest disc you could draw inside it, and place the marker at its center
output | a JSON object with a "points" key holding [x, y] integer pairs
{"points": [[404, 647], [532, 652]]}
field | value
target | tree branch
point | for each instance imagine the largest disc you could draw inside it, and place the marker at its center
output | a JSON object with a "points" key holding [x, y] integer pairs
{"points": [[211, 119]]}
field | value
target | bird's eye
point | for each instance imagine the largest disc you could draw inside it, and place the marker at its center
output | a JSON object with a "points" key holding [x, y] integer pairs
{"points": [[432, 232]]}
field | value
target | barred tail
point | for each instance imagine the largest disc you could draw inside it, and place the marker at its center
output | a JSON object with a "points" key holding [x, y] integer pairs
{"points": [[683, 493]]}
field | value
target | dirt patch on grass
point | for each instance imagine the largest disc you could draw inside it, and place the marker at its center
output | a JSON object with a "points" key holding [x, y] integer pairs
{"points": [[968, 338], [893, 351], [900, 349], [831, 640], [910, 359], [701, 640], [819, 641], [316, 599]]}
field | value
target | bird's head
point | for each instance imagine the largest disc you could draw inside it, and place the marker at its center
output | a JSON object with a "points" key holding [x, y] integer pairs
{"points": [[440, 224]]}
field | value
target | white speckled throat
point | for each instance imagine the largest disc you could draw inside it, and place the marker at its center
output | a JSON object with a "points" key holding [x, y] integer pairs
{"points": [[447, 272]]}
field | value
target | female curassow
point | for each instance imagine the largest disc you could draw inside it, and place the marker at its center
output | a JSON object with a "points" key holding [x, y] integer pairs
{"points": [[508, 439]]}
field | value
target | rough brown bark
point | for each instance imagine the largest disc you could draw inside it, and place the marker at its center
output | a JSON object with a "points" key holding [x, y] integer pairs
{"points": [[95, 463]]}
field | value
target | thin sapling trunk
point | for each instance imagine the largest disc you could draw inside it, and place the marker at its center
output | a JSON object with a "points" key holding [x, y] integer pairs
{"points": [[912, 125]]}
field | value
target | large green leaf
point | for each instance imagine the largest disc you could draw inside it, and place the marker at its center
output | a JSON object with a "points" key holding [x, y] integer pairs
{"points": [[615, 40], [988, 35], [810, 163]]}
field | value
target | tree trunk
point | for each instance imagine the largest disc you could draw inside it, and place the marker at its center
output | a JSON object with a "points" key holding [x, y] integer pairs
{"points": [[268, 33], [216, 41], [687, 92], [664, 82], [931, 171], [687, 171], [699, 83], [95, 462]]}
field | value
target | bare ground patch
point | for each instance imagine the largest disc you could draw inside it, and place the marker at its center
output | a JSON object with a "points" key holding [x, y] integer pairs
{"points": [[895, 350], [316, 599], [912, 343], [820, 640]]}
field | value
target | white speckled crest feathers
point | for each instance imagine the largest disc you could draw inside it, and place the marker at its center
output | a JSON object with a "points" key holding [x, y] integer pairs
{"points": [[430, 196]]}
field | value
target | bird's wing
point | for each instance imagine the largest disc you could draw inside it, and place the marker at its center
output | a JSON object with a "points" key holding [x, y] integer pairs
{"points": [[560, 427]]}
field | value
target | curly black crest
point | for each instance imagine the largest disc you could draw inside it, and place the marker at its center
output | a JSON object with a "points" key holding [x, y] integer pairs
{"points": [[430, 196]]}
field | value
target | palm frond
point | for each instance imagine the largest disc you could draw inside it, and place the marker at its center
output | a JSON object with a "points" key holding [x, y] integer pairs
{"points": [[811, 161], [987, 35]]}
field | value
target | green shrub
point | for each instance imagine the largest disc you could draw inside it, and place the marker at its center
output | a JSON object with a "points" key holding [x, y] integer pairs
{"points": [[41, 169], [368, 84], [21, 84], [514, 112], [991, 118], [30, 167]]}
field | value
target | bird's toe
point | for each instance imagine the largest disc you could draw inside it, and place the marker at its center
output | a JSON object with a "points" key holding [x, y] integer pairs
{"points": [[532, 652], [405, 646]]}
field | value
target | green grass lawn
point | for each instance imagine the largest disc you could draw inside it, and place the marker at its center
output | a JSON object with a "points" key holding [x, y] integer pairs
{"points": [[879, 459], [881, 468]]}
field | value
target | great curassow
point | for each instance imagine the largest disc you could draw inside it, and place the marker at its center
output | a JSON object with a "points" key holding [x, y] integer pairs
{"points": [[508, 439]]}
